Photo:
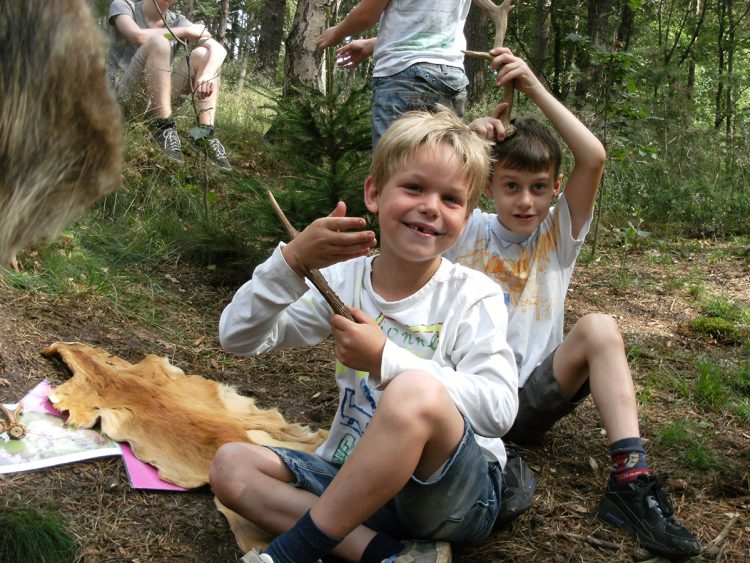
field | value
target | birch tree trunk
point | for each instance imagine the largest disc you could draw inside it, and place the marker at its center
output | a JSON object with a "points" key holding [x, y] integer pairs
{"points": [[303, 64]]}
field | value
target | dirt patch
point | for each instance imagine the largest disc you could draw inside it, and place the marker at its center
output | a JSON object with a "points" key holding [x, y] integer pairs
{"points": [[115, 523]]}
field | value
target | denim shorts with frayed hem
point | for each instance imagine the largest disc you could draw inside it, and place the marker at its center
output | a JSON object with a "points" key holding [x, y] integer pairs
{"points": [[459, 504], [419, 86], [541, 405]]}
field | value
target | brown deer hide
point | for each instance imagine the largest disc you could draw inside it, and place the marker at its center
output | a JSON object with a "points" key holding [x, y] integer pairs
{"points": [[173, 421]]}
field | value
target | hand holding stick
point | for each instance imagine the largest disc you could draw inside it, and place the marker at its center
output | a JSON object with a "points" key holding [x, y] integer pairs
{"points": [[499, 15], [315, 277]]}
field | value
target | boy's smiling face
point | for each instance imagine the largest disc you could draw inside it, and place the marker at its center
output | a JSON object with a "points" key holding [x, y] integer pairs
{"points": [[422, 207], [522, 199]]}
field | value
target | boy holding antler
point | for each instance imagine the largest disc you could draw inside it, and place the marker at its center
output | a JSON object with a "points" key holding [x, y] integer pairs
{"points": [[530, 249]]}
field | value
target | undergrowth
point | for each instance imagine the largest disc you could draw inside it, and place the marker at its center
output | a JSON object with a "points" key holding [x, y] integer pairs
{"points": [[30, 535]]}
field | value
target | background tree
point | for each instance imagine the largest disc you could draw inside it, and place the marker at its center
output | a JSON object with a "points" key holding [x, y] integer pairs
{"points": [[271, 35]]}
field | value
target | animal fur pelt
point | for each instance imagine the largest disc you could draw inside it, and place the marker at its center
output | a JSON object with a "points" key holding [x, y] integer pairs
{"points": [[173, 421]]}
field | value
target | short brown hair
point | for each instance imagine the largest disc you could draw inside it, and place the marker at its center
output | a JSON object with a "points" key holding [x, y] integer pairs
{"points": [[532, 148], [417, 128]]}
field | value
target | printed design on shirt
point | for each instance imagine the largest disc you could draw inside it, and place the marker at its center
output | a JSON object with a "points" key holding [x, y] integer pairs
{"points": [[421, 340], [523, 277], [356, 408]]}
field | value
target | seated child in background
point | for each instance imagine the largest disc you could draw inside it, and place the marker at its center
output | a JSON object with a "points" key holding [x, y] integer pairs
{"points": [[427, 382], [146, 84], [530, 250]]}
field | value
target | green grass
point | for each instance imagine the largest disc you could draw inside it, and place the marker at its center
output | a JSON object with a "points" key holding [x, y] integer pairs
{"points": [[30, 535], [683, 439]]}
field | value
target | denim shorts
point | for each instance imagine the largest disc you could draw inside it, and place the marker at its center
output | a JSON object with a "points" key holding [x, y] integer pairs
{"points": [[541, 404], [420, 86], [459, 504]]}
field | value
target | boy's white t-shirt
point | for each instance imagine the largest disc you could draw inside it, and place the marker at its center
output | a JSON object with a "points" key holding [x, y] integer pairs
{"points": [[418, 31], [534, 273], [453, 327]]}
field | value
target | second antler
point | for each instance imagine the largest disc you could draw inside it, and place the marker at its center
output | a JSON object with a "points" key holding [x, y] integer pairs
{"points": [[499, 15]]}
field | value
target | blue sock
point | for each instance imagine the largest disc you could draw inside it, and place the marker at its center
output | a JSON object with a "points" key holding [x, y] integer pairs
{"points": [[304, 543], [628, 460], [381, 547]]}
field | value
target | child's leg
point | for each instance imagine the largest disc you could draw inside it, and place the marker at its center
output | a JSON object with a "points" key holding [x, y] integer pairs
{"points": [[147, 82], [633, 500], [414, 431], [255, 482], [182, 85], [594, 350]]}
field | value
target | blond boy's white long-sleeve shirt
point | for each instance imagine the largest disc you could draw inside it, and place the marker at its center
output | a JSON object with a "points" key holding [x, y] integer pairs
{"points": [[453, 328]]}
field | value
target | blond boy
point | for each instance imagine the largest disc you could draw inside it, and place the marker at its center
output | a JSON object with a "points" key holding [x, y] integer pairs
{"points": [[427, 381]]}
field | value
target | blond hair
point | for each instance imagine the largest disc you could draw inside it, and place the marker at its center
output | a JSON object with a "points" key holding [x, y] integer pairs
{"points": [[415, 129]]}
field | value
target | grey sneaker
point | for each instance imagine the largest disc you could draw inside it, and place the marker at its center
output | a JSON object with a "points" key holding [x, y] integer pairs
{"points": [[423, 552], [255, 556], [214, 150], [169, 142]]}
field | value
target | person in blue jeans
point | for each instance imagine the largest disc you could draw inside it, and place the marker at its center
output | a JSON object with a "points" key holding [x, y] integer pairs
{"points": [[418, 55]]}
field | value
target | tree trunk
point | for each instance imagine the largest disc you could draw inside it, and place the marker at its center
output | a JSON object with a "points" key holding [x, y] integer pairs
{"points": [[476, 40], [597, 26], [189, 9], [541, 37], [221, 31], [244, 51], [303, 64], [625, 31], [271, 34]]}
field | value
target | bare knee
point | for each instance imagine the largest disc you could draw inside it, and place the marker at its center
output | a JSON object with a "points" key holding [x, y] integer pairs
{"points": [[599, 332], [231, 470], [157, 45], [416, 396]]}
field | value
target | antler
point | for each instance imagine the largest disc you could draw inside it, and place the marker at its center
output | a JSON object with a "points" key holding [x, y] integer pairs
{"points": [[314, 276], [15, 429], [499, 15]]}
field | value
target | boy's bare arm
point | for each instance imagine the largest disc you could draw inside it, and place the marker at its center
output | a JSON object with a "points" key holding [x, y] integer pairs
{"points": [[362, 17], [329, 240], [588, 152]]}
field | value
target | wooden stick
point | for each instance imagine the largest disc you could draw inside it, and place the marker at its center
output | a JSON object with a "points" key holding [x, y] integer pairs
{"points": [[315, 277], [499, 16]]}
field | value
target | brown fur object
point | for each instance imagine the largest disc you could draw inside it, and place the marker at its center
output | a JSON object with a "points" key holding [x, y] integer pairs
{"points": [[173, 421], [60, 126]]}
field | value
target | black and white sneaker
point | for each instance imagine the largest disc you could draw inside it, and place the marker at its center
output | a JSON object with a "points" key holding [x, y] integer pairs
{"points": [[643, 510], [169, 142], [215, 151]]}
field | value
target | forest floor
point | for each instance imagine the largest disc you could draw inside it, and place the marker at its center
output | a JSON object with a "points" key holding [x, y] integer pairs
{"points": [[701, 443]]}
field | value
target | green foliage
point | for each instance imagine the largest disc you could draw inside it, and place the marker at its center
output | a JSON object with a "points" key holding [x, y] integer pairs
{"points": [[34, 535], [683, 438], [720, 329], [724, 388], [324, 140]]}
